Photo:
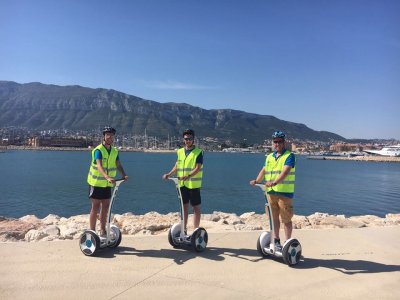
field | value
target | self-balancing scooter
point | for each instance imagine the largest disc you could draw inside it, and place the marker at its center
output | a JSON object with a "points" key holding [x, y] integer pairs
{"points": [[90, 242], [291, 250], [177, 236]]}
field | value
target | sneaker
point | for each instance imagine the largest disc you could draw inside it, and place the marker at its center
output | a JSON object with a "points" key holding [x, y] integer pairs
{"points": [[278, 247], [103, 234]]}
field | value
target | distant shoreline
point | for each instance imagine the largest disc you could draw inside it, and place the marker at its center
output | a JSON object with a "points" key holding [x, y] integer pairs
{"points": [[314, 157], [82, 149], [359, 158]]}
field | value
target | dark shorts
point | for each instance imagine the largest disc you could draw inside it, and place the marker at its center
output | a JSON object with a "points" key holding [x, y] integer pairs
{"points": [[192, 195], [99, 193]]}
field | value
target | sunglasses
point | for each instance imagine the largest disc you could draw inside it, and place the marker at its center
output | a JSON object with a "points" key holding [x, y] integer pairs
{"points": [[188, 139], [278, 142]]}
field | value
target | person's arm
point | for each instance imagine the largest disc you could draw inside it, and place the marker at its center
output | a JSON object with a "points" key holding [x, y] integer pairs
{"points": [[173, 171], [197, 167], [281, 177], [193, 172], [101, 170], [259, 177], [121, 170]]}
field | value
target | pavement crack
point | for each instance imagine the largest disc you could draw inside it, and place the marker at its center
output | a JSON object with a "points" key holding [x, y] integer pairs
{"points": [[143, 280]]}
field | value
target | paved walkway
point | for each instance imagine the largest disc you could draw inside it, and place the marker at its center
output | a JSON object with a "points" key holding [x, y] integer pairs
{"points": [[338, 264]]}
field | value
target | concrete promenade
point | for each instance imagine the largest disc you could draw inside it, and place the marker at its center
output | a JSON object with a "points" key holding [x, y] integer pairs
{"points": [[352, 263]]}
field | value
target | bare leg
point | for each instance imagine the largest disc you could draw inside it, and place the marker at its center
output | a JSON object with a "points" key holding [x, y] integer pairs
{"points": [[274, 208], [93, 214], [185, 214], [288, 227], [105, 205], [196, 216], [277, 225]]}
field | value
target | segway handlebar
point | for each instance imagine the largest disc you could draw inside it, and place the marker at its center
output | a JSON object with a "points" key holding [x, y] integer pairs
{"points": [[119, 181], [174, 179], [261, 186]]}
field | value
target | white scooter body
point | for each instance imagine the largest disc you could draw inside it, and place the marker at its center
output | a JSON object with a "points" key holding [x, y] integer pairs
{"points": [[90, 241], [291, 249], [176, 235]]}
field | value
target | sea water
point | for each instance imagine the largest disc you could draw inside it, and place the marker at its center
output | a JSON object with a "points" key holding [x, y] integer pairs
{"points": [[54, 182]]}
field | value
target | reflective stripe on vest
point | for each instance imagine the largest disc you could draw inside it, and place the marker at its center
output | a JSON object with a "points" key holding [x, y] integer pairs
{"points": [[274, 167], [185, 165], [108, 162]]}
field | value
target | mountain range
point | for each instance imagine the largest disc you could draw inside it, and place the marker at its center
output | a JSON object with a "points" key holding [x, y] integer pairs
{"points": [[43, 106]]}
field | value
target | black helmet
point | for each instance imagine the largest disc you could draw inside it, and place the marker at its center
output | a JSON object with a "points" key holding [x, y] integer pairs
{"points": [[108, 129], [188, 132], [278, 134]]}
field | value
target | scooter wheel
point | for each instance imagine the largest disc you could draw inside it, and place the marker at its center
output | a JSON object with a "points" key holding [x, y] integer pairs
{"points": [[263, 242], [116, 236], [199, 239], [291, 252], [89, 243], [173, 233]]}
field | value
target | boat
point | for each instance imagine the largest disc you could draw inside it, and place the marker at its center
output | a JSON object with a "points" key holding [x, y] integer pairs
{"points": [[386, 151], [329, 153]]}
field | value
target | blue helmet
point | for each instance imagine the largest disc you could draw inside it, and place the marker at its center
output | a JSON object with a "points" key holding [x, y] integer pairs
{"points": [[278, 134]]}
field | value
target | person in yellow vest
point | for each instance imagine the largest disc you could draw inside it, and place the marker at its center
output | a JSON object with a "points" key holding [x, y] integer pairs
{"points": [[279, 175], [101, 178], [189, 169]]}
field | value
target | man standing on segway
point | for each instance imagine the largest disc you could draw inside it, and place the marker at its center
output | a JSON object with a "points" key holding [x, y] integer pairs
{"points": [[279, 175], [189, 170], [101, 178]]}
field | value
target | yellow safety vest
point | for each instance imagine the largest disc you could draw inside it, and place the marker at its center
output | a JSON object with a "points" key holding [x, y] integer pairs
{"points": [[273, 168], [185, 165], [108, 162]]}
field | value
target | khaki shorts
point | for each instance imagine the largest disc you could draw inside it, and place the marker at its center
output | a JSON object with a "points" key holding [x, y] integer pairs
{"points": [[282, 206]]}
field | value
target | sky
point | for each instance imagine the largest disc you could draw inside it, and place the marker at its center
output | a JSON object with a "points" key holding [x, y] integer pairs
{"points": [[331, 65]]}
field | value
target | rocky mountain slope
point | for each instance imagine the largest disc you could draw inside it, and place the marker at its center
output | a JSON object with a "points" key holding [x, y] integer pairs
{"points": [[42, 106]]}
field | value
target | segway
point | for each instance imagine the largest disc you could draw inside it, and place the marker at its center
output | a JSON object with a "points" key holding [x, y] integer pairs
{"points": [[291, 250], [90, 242], [177, 236]]}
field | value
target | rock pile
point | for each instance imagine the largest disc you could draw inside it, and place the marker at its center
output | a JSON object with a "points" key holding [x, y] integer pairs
{"points": [[30, 228]]}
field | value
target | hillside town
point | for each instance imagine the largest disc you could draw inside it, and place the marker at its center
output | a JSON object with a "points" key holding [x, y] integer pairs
{"points": [[14, 137]]}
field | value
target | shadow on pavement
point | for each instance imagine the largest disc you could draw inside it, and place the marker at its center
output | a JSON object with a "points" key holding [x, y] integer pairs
{"points": [[181, 255], [348, 267]]}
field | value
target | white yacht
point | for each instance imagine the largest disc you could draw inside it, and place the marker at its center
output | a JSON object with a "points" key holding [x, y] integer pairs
{"points": [[386, 151]]}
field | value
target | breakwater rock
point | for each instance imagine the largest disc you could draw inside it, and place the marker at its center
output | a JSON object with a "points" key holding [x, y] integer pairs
{"points": [[30, 228]]}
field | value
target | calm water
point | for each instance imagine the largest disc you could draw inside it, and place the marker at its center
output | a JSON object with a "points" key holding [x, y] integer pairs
{"points": [[46, 182]]}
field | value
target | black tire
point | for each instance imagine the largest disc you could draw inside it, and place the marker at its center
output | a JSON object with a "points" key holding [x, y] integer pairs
{"points": [[263, 239], [173, 233], [118, 234], [89, 243], [291, 252], [199, 239]]}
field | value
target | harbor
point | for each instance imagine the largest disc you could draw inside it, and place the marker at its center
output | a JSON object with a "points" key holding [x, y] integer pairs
{"points": [[370, 158]]}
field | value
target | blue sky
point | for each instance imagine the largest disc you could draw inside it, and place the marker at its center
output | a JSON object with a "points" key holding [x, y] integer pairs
{"points": [[331, 65]]}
